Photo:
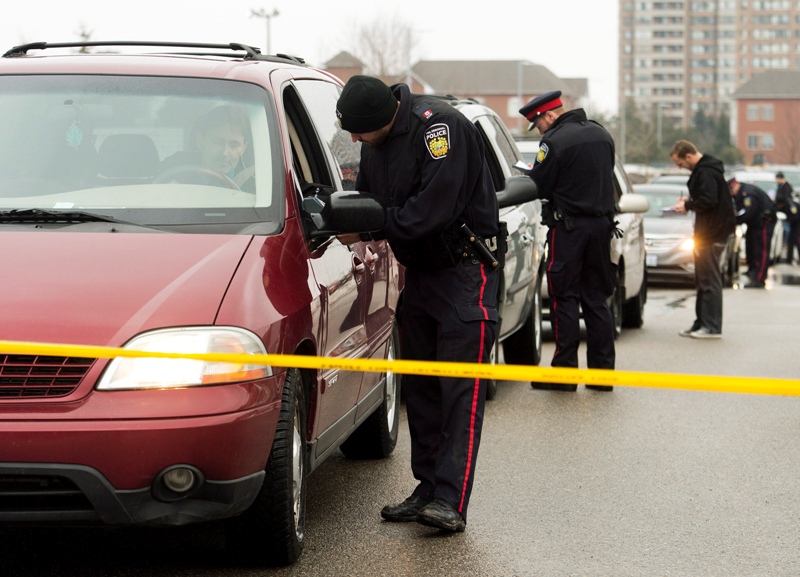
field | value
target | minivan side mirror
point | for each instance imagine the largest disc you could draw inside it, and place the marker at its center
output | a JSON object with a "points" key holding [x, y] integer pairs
{"points": [[347, 212]]}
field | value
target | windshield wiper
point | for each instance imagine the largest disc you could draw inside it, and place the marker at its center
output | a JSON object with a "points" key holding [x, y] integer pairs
{"points": [[39, 215]]}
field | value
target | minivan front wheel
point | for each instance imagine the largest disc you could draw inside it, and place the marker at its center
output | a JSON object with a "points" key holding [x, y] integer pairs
{"points": [[272, 531]]}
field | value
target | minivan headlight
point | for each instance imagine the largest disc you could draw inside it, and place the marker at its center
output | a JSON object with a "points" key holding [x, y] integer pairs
{"points": [[126, 373]]}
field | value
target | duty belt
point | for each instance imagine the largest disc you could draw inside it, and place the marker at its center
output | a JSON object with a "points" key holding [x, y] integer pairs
{"points": [[482, 247]]}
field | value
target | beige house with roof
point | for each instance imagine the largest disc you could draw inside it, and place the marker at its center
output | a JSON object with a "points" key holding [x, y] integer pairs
{"points": [[502, 85]]}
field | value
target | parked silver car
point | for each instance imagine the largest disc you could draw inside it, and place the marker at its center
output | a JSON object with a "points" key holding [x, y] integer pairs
{"points": [[669, 237], [519, 302]]}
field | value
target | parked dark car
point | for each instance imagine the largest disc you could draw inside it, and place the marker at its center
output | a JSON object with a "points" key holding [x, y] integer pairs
{"points": [[105, 242]]}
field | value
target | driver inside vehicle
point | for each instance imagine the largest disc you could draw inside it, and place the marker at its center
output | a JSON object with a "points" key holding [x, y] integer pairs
{"points": [[219, 140]]}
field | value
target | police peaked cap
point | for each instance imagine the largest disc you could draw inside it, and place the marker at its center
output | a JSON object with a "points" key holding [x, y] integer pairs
{"points": [[365, 105], [540, 105]]}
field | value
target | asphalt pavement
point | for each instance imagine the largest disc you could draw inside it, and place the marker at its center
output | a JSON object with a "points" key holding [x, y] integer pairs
{"points": [[638, 482]]}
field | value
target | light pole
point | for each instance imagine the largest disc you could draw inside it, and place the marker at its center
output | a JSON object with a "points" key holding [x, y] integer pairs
{"points": [[659, 122], [261, 13], [520, 64]]}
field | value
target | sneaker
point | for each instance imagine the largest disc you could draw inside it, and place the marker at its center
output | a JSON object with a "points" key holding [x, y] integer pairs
{"points": [[754, 284], [704, 333], [688, 332]]}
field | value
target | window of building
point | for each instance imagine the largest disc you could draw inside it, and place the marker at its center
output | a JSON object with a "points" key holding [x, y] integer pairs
{"points": [[767, 141], [752, 141], [768, 112], [752, 111]]}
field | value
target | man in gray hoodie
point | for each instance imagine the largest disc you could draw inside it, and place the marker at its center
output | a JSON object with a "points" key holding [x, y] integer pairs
{"points": [[715, 221]]}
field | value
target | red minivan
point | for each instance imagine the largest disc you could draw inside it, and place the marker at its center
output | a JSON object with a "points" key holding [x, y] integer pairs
{"points": [[184, 198]]}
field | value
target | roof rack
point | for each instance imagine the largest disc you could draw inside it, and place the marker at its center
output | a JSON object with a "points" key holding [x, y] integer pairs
{"points": [[251, 52]]}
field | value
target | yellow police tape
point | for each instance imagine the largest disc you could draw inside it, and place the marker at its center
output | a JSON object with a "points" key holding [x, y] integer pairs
{"points": [[719, 384]]}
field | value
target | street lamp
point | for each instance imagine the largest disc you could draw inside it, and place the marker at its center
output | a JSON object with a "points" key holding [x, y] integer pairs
{"points": [[661, 106], [520, 64], [261, 13]]}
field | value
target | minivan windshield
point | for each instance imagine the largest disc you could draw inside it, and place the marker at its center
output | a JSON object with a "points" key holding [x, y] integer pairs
{"points": [[158, 151]]}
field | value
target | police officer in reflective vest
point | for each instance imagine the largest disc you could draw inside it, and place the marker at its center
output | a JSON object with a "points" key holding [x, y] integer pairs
{"points": [[574, 172], [426, 161]]}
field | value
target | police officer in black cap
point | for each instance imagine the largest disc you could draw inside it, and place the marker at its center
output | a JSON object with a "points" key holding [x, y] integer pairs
{"points": [[755, 208], [426, 161], [574, 172]]}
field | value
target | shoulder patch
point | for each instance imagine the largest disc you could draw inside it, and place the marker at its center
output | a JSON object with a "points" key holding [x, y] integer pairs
{"points": [[748, 201], [542, 154], [437, 139], [424, 111]]}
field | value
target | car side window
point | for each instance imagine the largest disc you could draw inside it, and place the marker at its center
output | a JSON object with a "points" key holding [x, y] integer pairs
{"points": [[498, 178], [504, 142], [320, 100], [307, 154]]}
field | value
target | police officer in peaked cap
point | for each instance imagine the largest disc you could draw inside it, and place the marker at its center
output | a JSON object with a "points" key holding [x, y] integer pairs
{"points": [[574, 172], [426, 161]]}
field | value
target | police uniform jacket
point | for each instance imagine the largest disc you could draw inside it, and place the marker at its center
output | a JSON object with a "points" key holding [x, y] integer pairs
{"points": [[710, 199], [754, 207], [432, 175], [785, 202], [571, 148]]}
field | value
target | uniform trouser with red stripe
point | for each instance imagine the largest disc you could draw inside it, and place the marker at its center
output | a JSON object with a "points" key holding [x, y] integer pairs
{"points": [[758, 241], [581, 277], [447, 315]]}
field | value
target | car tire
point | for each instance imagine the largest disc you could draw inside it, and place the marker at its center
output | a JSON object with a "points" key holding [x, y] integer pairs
{"points": [[376, 437], [524, 347], [633, 310], [615, 303], [272, 530]]}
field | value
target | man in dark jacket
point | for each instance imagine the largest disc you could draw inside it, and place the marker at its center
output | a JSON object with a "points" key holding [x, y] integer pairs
{"points": [[426, 161], [786, 203], [755, 209], [715, 221], [574, 172]]}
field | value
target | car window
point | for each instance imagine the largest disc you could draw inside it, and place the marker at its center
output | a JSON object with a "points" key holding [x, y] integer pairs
{"points": [[661, 205], [498, 177], [504, 143], [320, 100], [141, 149]]}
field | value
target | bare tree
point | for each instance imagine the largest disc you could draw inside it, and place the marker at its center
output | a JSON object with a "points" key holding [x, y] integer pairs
{"points": [[84, 35], [384, 46]]}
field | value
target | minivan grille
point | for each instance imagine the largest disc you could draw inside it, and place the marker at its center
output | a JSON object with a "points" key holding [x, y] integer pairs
{"points": [[36, 494], [35, 376]]}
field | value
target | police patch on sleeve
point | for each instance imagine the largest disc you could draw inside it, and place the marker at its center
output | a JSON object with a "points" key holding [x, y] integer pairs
{"points": [[542, 154], [437, 138]]}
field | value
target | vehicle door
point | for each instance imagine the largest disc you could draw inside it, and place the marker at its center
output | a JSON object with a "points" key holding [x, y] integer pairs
{"points": [[632, 243], [337, 268], [373, 263], [523, 255]]}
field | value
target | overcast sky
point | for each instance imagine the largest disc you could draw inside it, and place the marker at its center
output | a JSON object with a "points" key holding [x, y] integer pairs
{"points": [[573, 38]]}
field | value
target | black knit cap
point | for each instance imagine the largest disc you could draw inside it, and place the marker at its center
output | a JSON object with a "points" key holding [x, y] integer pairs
{"points": [[366, 105]]}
